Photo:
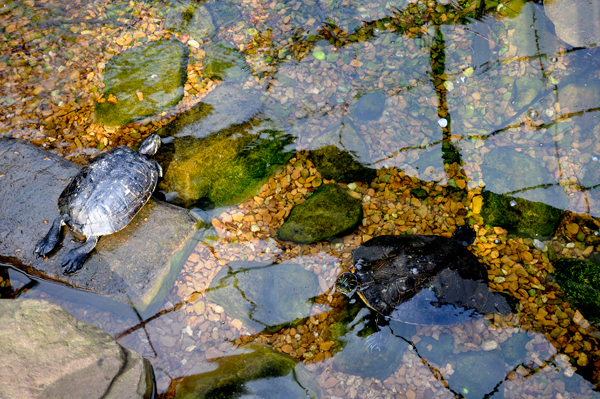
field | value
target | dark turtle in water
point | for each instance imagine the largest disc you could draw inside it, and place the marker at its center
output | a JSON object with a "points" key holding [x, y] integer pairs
{"points": [[420, 279], [103, 198]]}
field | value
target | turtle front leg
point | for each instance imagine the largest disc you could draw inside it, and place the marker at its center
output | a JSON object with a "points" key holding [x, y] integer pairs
{"points": [[158, 168], [377, 340], [47, 244], [75, 259]]}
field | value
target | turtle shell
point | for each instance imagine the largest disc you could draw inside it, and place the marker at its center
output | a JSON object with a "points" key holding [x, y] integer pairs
{"points": [[106, 195], [424, 280]]}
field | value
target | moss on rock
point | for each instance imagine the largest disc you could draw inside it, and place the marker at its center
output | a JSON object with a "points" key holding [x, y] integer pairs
{"points": [[580, 279], [525, 218], [157, 70], [328, 213], [223, 168]]}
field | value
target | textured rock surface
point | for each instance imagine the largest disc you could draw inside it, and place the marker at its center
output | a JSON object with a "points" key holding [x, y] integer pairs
{"points": [[157, 70], [47, 353], [576, 21], [264, 296], [135, 265], [328, 213]]}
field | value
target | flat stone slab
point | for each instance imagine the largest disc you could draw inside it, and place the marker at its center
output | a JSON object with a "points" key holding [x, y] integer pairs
{"points": [[47, 353], [137, 265]]}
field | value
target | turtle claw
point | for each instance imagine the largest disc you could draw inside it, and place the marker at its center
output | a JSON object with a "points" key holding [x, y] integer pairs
{"points": [[47, 244], [75, 259]]}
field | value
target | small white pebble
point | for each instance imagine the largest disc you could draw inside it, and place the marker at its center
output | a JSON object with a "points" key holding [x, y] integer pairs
{"points": [[443, 122], [193, 43], [219, 309]]}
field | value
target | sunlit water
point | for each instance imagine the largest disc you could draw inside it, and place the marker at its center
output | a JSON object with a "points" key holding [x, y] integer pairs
{"points": [[424, 85]]}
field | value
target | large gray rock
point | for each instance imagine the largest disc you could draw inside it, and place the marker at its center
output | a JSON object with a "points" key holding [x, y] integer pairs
{"points": [[264, 296], [576, 21], [137, 265], [47, 353]]}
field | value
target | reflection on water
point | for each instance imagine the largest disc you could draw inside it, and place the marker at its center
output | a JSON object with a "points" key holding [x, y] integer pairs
{"points": [[450, 102]]}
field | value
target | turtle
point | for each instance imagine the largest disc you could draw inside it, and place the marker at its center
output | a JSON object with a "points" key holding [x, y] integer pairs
{"points": [[103, 198], [421, 279]]}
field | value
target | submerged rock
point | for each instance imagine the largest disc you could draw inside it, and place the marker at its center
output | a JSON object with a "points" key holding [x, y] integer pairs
{"points": [[222, 108], [576, 21], [262, 295], [157, 70], [506, 171], [199, 20], [342, 155], [580, 281], [328, 213], [189, 17], [47, 353], [358, 358], [259, 371], [369, 107], [224, 63], [221, 168], [137, 265], [520, 217]]}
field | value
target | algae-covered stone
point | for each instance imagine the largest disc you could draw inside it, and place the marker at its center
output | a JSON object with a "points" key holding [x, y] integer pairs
{"points": [[506, 171], [259, 372], [144, 80], [328, 213], [224, 63], [580, 95], [263, 295], [580, 281], [224, 168], [531, 35], [190, 17], [519, 216], [342, 155]]}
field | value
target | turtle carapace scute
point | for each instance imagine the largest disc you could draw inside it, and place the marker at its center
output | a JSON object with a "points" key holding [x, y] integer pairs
{"points": [[103, 198]]}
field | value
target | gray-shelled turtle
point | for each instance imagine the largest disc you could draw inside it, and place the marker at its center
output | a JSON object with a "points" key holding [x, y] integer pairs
{"points": [[103, 198], [421, 280]]}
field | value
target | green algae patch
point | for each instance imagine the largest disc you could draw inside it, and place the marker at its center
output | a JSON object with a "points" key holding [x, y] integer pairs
{"points": [[340, 165], [519, 216], [190, 17], [264, 296], [224, 63], [143, 81], [261, 372], [328, 213], [223, 168], [579, 279]]}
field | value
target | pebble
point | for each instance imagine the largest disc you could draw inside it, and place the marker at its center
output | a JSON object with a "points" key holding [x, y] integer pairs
{"points": [[489, 345], [443, 122]]}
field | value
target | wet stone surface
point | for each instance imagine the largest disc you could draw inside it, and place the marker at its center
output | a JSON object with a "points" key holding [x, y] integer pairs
{"points": [[135, 265], [329, 212], [46, 350], [143, 81]]}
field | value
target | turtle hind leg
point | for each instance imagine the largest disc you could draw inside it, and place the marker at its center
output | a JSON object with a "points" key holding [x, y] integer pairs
{"points": [[47, 244], [75, 259]]}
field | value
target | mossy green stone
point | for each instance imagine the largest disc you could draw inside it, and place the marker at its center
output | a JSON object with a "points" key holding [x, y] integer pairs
{"points": [[224, 168], [157, 69], [328, 213], [261, 371], [264, 296], [580, 281], [224, 63], [525, 218], [338, 165], [190, 17]]}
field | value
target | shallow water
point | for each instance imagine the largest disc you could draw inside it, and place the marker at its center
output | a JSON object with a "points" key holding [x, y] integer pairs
{"points": [[425, 87]]}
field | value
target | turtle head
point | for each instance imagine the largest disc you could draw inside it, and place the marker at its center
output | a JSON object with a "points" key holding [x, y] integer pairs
{"points": [[347, 283], [150, 145]]}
